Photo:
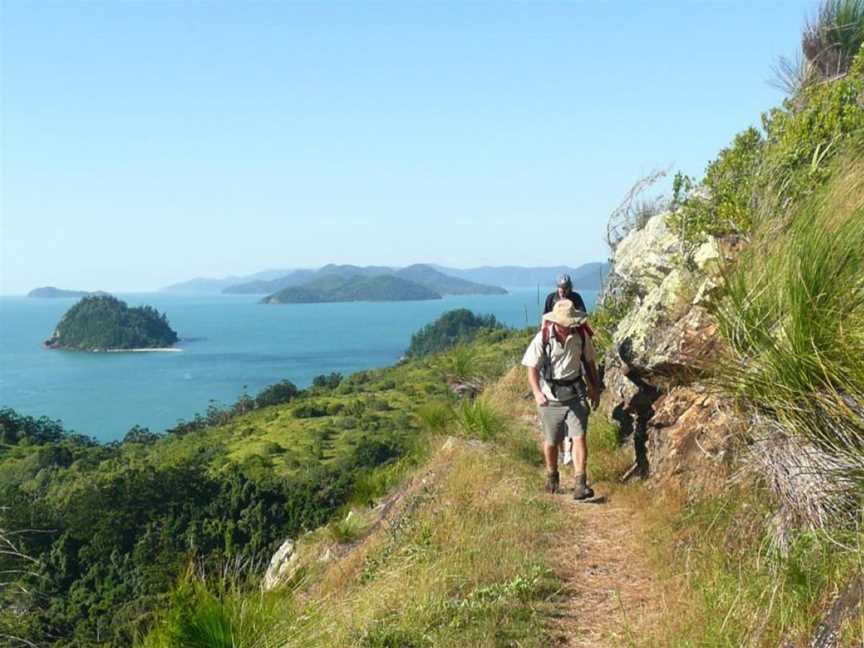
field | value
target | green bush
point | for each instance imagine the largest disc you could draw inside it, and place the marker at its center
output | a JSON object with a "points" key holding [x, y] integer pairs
{"points": [[453, 327], [724, 203]]}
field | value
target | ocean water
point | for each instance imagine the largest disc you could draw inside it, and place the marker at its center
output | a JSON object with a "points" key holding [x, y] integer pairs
{"points": [[229, 343]]}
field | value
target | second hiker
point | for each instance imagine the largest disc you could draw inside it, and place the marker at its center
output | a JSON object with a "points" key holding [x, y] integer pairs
{"points": [[562, 373]]}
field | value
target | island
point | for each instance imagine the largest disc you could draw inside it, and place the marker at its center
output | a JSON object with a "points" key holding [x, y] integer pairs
{"points": [[50, 292], [105, 323], [336, 288]]}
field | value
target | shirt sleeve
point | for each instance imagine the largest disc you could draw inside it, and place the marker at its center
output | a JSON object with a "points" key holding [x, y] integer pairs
{"points": [[550, 301], [534, 353]]}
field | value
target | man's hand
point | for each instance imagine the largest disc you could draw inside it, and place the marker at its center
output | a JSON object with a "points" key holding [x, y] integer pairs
{"points": [[593, 396], [534, 381], [540, 399]]}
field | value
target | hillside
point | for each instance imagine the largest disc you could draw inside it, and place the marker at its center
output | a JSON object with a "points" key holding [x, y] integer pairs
{"points": [[336, 288], [105, 323], [204, 285], [49, 292], [588, 276], [422, 274], [446, 285]]}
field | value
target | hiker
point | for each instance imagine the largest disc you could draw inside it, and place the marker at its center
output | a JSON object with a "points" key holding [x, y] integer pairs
{"points": [[564, 290], [562, 372]]}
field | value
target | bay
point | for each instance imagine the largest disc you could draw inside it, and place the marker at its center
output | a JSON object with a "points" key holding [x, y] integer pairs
{"points": [[229, 344]]}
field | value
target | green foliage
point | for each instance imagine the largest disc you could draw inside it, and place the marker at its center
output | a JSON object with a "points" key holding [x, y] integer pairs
{"points": [[327, 382], [608, 314], [480, 420], [435, 415], [724, 203], [793, 318], [744, 588], [460, 363], [276, 394], [762, 178], [105, 322], [452, 328]]}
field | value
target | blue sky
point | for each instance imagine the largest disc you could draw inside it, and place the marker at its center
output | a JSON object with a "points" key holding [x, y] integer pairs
{"points": [[150, 142]]}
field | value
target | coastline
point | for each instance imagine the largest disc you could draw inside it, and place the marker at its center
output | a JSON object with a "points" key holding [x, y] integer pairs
{"points": [[141, 350]]}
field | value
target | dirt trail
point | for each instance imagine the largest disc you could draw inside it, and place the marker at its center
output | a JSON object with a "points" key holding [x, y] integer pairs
{"points": [[611, 595]]}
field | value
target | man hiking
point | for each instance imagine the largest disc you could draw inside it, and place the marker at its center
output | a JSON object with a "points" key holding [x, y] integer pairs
{"points": [[562, 372], [564, 291]]}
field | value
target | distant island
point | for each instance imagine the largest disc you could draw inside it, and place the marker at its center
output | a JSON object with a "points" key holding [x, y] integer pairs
{"points": [[104, 323], [425, 275], [587, 276], [336, 288], [50, 292]]}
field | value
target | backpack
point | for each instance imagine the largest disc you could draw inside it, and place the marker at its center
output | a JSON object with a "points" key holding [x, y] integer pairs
{"points": [[546, 371]]}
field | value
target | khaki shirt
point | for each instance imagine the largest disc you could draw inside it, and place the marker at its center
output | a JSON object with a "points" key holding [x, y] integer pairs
{"points": [[566, 359]]}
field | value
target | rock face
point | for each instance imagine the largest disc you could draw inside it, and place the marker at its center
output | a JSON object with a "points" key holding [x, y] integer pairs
{"points": [[283, 565], [654, 372]]}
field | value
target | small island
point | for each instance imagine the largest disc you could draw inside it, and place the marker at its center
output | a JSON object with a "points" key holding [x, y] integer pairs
{"points": [[105, 323], [50, 292], [335, 288]]}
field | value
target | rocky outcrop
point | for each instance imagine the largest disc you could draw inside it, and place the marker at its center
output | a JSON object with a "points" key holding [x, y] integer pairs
{"points": [[655, 371], [283, 565]]}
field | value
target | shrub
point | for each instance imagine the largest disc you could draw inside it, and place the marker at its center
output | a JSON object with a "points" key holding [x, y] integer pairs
{"points": [[281, 392], [435, 415], [330, 381], [453, 327]]}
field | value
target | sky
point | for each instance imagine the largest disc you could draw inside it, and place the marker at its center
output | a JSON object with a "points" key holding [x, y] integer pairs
{"points": [[148, 142]]}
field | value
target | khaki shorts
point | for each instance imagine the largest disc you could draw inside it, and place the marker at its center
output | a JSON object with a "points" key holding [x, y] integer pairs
{"points": [[564, 419]]}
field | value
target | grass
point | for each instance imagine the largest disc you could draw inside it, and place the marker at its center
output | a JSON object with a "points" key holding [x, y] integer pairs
{"points": [[462, 566], [793, 319]]}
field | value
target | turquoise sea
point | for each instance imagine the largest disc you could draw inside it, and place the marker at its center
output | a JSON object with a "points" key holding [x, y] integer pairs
{"points": [[229, 343]]}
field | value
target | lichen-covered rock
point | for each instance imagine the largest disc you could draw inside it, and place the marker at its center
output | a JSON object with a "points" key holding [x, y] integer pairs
{"points": [[645, 256], [639, 330]]}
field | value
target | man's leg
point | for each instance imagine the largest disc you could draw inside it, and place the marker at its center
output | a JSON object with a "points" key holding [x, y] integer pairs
{"points": [[577, 428], [550, 451], [580, 455], [553, 420]]}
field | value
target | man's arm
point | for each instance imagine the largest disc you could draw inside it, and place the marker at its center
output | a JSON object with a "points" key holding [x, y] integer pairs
{"points": [[550, 301], [534, 381], [593, 380]]}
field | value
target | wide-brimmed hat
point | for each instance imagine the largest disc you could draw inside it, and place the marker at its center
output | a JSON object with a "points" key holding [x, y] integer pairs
{"points": [[566, 314]]}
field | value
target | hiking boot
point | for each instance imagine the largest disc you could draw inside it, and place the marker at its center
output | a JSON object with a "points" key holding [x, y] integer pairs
{"points": [[553, 481], [582, 490]]}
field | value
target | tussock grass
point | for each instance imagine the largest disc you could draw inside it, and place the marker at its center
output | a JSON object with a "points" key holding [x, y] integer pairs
{"points": [[728, 586], [478, 419], [794, 323]]}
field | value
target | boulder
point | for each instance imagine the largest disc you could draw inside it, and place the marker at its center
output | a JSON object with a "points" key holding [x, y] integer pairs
{"points": [[689, 441], [644, 257], [283, 565]]}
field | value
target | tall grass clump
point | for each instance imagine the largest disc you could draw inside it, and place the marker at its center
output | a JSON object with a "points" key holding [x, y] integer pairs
{"points": [[831, 41], [480, 420], [794, 322]]}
